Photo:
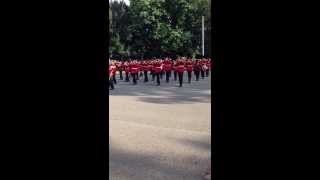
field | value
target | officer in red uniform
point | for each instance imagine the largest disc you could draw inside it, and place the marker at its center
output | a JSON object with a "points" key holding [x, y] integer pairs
{"points": [[157, 71], [196, 69], [150, 66], [137, 63], [134, 71], [203, 67], [167, 67], [153, 70], [209, 67], [171, 67], [112, 72], [120, 69], [180, 71], [127, 70], [174, 67], [145, 67], [140, 68], [114, 65], [189, 65]]}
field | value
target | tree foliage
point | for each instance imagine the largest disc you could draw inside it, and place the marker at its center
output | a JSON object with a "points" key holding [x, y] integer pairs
{"points": [[157, 27]]}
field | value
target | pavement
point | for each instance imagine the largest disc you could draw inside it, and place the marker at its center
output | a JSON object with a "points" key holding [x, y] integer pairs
{"points": [[160, 132]]}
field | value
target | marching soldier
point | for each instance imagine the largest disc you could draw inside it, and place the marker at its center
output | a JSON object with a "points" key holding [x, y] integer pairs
{"points": [[114, 65], [112, 71], [162, 69], [140, 68], [150, 67], [175, 70], [157, 71], [127, 70], [202, 70], [189, 70], [167, 68], [171, 67], [134, 71], [145, 68], [120, 69], [180, 71], [196, 69], [137, 63], [153, 70], [209, 67], [200, 67]]}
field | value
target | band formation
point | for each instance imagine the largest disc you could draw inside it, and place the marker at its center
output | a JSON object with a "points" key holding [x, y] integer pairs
{"points": [[158, 69]]}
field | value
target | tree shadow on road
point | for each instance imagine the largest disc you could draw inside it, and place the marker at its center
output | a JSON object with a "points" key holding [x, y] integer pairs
{"points": [[203, 143], [136, 166], [177, 99], [167, 93]]}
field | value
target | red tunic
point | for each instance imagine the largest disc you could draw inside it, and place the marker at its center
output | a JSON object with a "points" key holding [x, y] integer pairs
{"points": [[144, 66], [167, 65], [134, 69], [189, 67], [120, 66], [126, 67], [180, 67], [157, 67], [204, 65], [150, 66], [197, 67], [112, 70]]}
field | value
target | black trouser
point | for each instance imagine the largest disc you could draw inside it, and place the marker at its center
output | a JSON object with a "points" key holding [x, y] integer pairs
{"points": [[146, 76], [180, 74], [127, 77], [161, 74], [189, 76], [153, 75], [197, 73], [134, 76], [158, 78], [175, 75], [167, 76], [141, 74], [202, 74], [207, 72], [111, 84], [114, 79], [121, 77]]}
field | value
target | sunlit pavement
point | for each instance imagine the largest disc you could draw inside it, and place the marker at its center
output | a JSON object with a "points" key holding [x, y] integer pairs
{"points": [[160, 132]]}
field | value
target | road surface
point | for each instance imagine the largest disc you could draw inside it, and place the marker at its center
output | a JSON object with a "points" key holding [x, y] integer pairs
{"points": [[160, 133]]}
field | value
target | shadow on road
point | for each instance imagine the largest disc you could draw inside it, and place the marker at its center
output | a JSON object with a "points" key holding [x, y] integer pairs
{"points": [[176, 99], [136, 166], [167, 93], [203, 143]]}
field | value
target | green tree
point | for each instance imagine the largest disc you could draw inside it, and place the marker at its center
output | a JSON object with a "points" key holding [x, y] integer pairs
{"points": [[118, 16], [159, 27]]}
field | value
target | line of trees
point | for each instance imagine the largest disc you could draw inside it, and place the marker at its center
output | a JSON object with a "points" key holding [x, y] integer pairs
{"points": [[156, 28]]}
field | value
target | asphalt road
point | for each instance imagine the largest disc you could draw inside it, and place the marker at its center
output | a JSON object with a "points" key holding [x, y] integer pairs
{"points": [[160, 132]]}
